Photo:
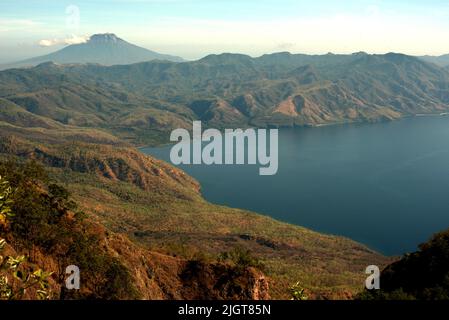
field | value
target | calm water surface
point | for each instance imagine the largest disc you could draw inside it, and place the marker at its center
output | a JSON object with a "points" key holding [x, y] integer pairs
{"points": [[385, 185]]}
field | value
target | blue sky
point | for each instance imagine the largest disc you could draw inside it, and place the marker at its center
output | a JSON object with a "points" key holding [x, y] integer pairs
{"points": [[194, 28]]}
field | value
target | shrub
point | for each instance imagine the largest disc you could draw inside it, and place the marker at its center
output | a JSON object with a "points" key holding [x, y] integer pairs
{"points": [[241, 258], [297, 292]]}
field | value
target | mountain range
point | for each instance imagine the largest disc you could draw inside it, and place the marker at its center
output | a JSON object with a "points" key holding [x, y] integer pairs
{"points": [[142, 102], [105, 49]]}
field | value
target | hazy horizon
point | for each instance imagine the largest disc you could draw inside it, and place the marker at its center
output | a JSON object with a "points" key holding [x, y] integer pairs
{"points": [[195, 28], [52, 49]]}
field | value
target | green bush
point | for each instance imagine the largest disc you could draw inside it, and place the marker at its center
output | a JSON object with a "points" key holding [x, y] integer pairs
{"points": [[297, 292]]}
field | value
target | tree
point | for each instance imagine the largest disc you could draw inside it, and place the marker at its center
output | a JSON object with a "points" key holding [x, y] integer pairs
{"points": [[14, 279], [5, 202]]}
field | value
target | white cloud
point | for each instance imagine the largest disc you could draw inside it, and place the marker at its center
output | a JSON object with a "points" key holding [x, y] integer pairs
{"points": [[76, 39], [66, 41], [48, 43]]}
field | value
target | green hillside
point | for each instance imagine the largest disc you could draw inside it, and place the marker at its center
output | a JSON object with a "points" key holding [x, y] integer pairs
{"points": [[143, 102]]}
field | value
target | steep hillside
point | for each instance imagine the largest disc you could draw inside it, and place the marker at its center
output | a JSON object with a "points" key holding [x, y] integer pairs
{"points": [[46, 226], [159, 208], [399, 280]]}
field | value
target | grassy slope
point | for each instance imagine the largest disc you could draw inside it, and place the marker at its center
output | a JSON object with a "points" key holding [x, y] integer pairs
{"points": [[48, 228], [161, 208], [188, 227]]}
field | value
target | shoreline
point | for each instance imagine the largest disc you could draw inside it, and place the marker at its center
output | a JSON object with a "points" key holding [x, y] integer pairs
{"points": [[321, 125]]}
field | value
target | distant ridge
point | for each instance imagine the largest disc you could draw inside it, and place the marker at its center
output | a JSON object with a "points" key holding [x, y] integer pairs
{"points": [[442, 61], [106, 49]]}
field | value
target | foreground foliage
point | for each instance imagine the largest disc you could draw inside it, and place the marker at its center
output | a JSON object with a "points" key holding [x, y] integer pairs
{"points": [[23, 279], [422, 275], [44, 224]]}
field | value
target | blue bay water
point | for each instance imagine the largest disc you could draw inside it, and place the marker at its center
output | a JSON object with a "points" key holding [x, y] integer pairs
{"points": [[385, 185]]}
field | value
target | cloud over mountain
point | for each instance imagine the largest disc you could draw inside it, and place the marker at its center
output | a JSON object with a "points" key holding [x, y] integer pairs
{"points": [[73, 39]]}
